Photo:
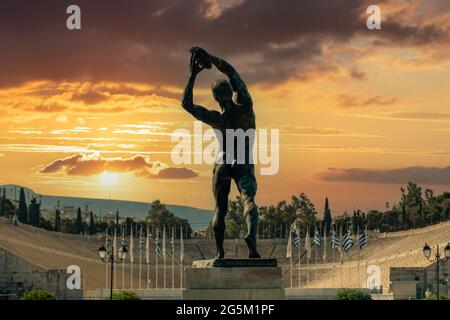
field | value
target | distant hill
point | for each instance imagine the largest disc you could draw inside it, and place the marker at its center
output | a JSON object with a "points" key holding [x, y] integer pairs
{"points": [[198, 218]]}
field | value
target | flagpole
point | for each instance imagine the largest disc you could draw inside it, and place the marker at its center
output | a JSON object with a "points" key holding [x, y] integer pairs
{"points": [[307, 258], [181, 257], [147, 256], [123, 261], [332, 261], [340, 254], [164, 256], [299, 260], [349, 267], [140, 258], [115, 255], [365, 253], [156, 259], [131, 255], [106, 265], [173, 258], [359, 252], [317, 249], [289, 254]]}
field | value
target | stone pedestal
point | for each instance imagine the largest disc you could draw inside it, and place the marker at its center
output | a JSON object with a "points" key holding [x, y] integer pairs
{"points": [[234, 279]]}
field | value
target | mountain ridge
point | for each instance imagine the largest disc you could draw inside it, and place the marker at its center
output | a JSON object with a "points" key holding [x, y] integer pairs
{"points": [[198, 218]]}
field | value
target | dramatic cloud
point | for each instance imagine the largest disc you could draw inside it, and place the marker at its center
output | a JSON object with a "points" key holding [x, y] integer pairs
{"points": [[87, 165], [421, 175], [283, 39]]}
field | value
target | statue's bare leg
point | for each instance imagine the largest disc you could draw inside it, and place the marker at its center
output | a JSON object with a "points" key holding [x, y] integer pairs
{"points": [[246, 182], [221, 190]]}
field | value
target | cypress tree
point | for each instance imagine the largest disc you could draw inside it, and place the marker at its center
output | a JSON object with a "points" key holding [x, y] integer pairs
{"points": [[57, 220], [23, 210], [35, 213], [354, 222], [327, 220], [79, 222], [91, 223]]}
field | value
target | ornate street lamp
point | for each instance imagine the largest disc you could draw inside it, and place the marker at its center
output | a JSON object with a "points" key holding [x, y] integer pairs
{"points": [[437, 258], [108, 256]]}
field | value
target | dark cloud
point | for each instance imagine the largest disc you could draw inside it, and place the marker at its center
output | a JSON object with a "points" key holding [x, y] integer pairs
{"points": [[90, 97], [423, 175], [358, 75], [171, 173], [85, 165], [147, 40]]}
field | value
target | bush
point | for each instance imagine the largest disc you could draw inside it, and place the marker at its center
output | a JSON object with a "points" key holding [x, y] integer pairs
{"points": [[433, 297], [38, 295], [125, 295], [352, 294]]}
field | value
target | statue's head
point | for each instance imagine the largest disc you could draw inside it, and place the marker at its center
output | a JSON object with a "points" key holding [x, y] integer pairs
{"points": [[222, 92]]}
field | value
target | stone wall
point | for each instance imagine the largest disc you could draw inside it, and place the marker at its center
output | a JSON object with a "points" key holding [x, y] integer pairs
{"points": [[423, 277], [18, 275]]}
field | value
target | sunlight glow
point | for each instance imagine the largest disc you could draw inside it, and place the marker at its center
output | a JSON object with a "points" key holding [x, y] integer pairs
{"points": [[109, 178]]}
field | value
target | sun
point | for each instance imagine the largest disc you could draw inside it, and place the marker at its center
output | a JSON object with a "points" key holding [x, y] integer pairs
{"points": [[109, 178]]}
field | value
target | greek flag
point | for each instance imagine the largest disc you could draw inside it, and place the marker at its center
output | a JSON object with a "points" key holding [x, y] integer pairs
{"points": [[296, 242], [157, 247], [348, 242], [335, 243], [362, 241], [317, 239]]}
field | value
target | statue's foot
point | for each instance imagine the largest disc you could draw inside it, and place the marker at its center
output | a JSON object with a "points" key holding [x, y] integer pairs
{"points": [[220, 255], [251, 247]]}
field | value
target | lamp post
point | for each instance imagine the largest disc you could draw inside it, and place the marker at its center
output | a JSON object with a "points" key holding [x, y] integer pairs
{"points": [[437, 258], [107, 256]]}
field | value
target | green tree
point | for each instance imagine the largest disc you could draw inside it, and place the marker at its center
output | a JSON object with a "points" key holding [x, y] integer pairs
{"points": [[79, 222], [327, 220], [92, 226], [305, 211], [34, 212], [413, 201], [57, 220], [23, 210], [159, 216]]}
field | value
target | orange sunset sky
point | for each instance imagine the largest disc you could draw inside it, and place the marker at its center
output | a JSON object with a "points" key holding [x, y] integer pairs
{"points": [[360, 111]]}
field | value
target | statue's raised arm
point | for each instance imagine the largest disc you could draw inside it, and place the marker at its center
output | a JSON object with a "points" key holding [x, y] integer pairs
{"points": [[209, 117], [244, 98]]}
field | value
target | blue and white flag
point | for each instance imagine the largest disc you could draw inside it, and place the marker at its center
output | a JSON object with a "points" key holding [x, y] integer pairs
{"points": [[317, 239], [296, 241], [362, 241], [335, 243], [157, 246], [348, 242]]}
